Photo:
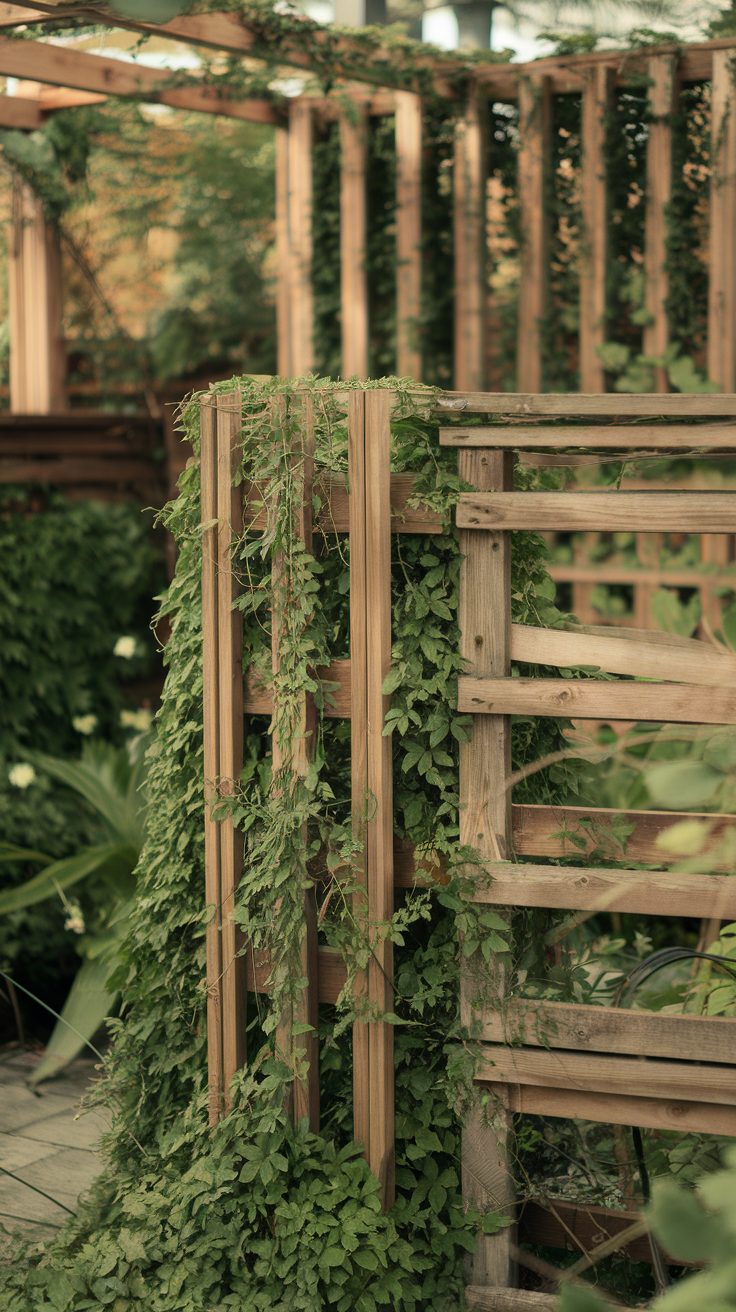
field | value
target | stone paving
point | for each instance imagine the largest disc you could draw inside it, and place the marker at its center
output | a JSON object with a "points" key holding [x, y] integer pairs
{"points": [[47, 1143]]}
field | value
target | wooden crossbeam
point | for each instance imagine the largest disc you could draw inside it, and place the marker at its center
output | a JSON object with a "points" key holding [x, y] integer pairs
{"points": [[63, 66], [643, 512], [587, 699], [606, 1073], [642, 653], [571, 831], [614, 437], [20, 113], [600, 888], [574, 404], [666, 1110]]}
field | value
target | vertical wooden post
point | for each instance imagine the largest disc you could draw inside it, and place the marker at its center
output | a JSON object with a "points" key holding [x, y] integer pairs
{"points": [[211, 714], [359, 745], [535, 122], [300, 1048], [353, 227], [284, 274], [408, 234], [597, 92], [380, 831], [469, 216], [301, 298], [230, 682], [722, 271], [35, 302], [662, 100], [485, 825]]}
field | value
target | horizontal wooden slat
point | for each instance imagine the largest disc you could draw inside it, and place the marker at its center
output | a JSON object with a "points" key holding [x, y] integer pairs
{"points": [[553, 1224], [600, 888], [482, 1298], [639, 652], [334, 517], [602, 1073], [571, 831], [611, 512], [332, 974], [659, 1113], [572, 404], [609, 437], [589, 699], [609, 572], [78, 470], [55, 445], [259, 697], [569, 1025]]}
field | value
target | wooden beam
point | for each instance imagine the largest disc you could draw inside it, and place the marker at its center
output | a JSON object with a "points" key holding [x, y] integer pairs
{"points": [[613, 437], [301, 292], [334, 517], [573, 831], [588, 699], [485, 826], [20, 113], [665, 1111], [662, 100], [630, 892], [597, 97], [35, 302], [604, 1073], [408, 235], [641, 653], [469, 225], [353, 231], [643, 512], [573, 404], [63, 66], [535, 126], [483, 1299], [722, 254]]}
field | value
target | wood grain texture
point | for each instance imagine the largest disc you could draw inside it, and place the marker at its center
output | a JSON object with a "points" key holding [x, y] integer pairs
{"points": [[353, 229], [588, 699], [566, 1025], [604, 1073], [595, 437], [335, 677], [301, 291], [642, 512], [35, 303], [722, 252], [284, 274], [21, 113], [641, 653], [230, 682], [484, 1299], [570, 831], [596, 102], [603, 888], [331, 975], [663, 1112], [573, 404], [408, 119], [485, 825], [211, 713], [379, 828], [662, 103], [535, 126], [469, 179], [334, 517]]}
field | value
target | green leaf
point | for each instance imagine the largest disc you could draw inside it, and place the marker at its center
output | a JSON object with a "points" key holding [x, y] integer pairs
{"points": [[89, 1003], [9, 852], [681, 1223], [105, 859], [680, 785], [150, 11], [574, 1298]]}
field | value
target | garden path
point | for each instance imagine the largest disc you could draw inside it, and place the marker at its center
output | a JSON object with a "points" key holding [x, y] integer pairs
{"points": [[46, 1143]]}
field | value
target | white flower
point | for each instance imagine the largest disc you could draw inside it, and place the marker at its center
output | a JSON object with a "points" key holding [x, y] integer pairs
{"points": [[85, 724], [21, 775], [74, 918], [139, 720], [125, 647]]}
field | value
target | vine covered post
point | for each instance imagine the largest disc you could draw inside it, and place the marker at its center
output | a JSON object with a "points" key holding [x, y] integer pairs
{"points": [[722, 254], [353, 229], [230, 716], [298, 1046], [408, 234], [469, 228], [662, 104], [535, 126], [485, 826], [597, 95]]}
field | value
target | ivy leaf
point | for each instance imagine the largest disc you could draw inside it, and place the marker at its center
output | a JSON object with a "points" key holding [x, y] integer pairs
{"points": [[680, 785], [150, 11]]}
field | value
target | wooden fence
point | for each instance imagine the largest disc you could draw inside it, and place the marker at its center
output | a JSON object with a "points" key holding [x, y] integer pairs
{"points": [[85, 455], [554, 1059]]}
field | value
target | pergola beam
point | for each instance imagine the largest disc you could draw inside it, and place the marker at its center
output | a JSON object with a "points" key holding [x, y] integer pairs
{"points": [[21, 113], [62, 67]]}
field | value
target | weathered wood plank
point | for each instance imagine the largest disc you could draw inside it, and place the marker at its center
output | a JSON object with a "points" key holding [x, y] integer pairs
{"points": [[353, 228], [610, 572], [259, 697], [722, 253], [331, 974], [573, 404], [662, 1112], [567, 1025], [535, 126], [597, 96], [603, 1073], [485, 1299], [571, 831], [485, 825], [379, 828], [588, 699], [408, 234], [662, 100], [639, 512], [613, 437], [644, 654], [334, 517], [469, 179], [230, 658], [602, 888]]}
